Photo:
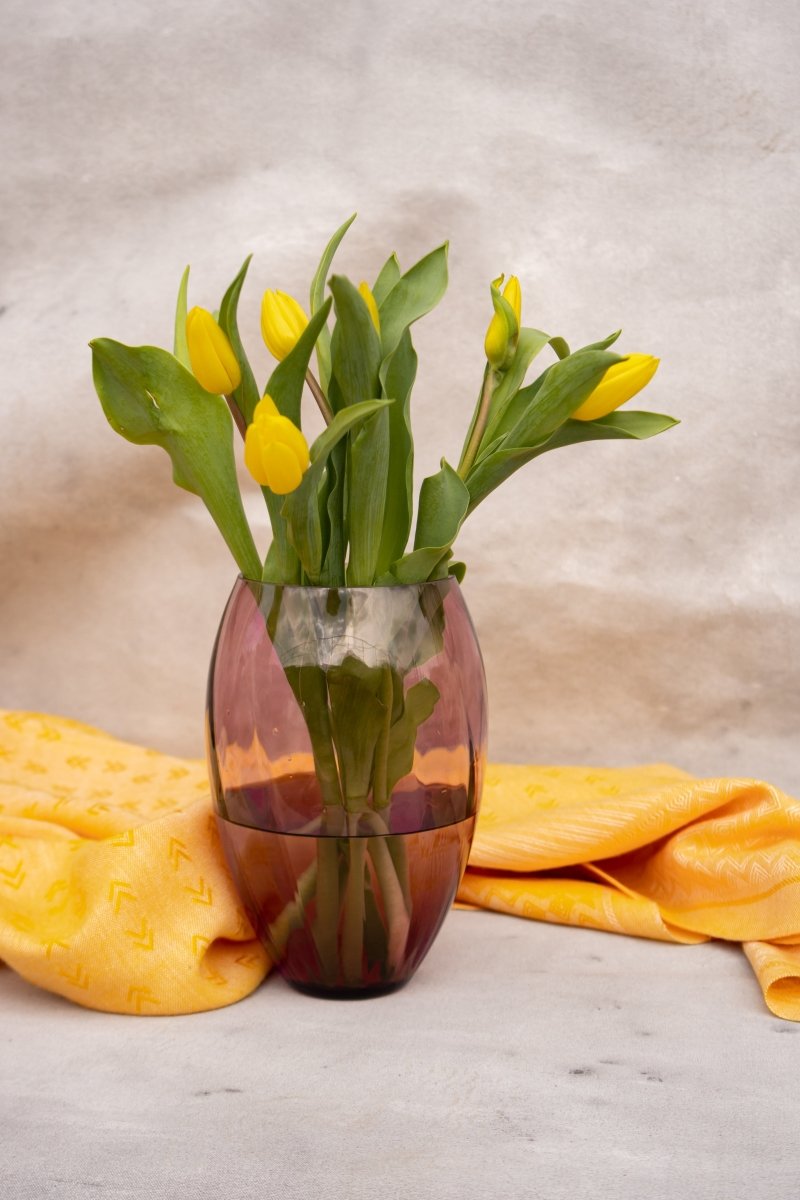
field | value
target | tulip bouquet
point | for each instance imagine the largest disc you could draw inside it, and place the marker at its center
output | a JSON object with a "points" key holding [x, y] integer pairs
{"points": [[342, 509]]}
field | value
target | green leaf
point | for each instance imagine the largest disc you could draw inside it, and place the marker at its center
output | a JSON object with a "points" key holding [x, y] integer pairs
{"points": [[151, 399], [366, 496], [513, 412], [285, 386], [628, 424], [355, 348], [281, 564], [443, 504], [497, 467], [397, 374], [341, 424], [441, 500], [301, 511], [414, 294], [309, 684], [334, 520], [602, 345], [358, 714], [180, 345], [387, 278], [301, 508], [287, 381], [458, 570], [418, 704], [246, 395], [531, 342], [565, 387], [532, 415], [318, 298], [505, 312]]}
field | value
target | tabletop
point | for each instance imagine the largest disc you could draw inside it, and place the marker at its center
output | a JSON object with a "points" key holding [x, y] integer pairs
{"points": [[522, 1060]]}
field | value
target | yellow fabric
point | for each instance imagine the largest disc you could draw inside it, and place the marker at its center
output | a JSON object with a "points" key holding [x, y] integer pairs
{"points": [[649, 851], [114, 890]]}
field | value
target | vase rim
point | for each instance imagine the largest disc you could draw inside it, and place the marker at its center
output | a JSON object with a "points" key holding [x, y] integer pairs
{"points": [[307, 588]]}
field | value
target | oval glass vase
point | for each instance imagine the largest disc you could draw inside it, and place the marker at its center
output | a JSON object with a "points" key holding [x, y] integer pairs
{"points": [[346, 738]]}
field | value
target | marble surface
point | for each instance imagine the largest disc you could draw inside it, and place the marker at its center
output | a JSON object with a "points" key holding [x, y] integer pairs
{"points": [[635, 164], [522, 1060]]}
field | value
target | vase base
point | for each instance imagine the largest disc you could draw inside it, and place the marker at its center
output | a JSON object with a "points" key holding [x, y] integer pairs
{"points": [[370, 992]]}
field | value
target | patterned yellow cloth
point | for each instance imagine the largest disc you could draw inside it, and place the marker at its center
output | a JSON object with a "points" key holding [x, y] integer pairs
{"points": [[114, 891]]}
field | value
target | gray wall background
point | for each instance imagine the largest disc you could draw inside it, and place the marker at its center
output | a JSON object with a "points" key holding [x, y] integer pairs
{"points": [[636, 165]]}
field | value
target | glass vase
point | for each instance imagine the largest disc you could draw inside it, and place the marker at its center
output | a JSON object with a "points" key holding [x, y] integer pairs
{"points": [[346, 739]]}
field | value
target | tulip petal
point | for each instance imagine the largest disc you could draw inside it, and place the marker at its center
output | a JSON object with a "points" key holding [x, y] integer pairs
{"points": [[620, 384], [281, 468], [503, 331], [369, 300], [213, 362], [291, 436], [282, 322], [227, 359], [512, 292], [496, 339], [266, 407], [275, 451], [253, 454]]}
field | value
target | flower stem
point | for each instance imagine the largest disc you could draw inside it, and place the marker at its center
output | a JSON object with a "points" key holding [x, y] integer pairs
{"points": [[388, 856], [319, 396], [293, 916], [470, 451], [237, 415], [398, 921], [353, 923], [326, 923]]}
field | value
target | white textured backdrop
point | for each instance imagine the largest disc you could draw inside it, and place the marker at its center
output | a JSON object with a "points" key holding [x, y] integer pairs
{"points": [[636, 165]]}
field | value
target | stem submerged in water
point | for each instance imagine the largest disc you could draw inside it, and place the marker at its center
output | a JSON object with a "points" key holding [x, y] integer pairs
{"points": [[325, 929], [354, 912], [398, 919], [362, 726]]}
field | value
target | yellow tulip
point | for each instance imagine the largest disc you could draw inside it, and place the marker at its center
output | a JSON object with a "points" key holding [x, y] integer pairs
{"points": [[619, 384], [512, 292], [213, 362], [369, 300], [275, 451], [496, 344], [282, 322]]}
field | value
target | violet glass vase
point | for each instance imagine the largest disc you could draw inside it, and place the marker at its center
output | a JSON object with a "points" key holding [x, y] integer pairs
{"points": [[346, 737]]}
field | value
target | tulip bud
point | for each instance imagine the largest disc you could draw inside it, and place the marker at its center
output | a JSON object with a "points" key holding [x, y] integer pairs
{"points": [[619, 384], [275, 451], [512, 292], [501, 337], [369, 300], [213, 362], [282, 323]]}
